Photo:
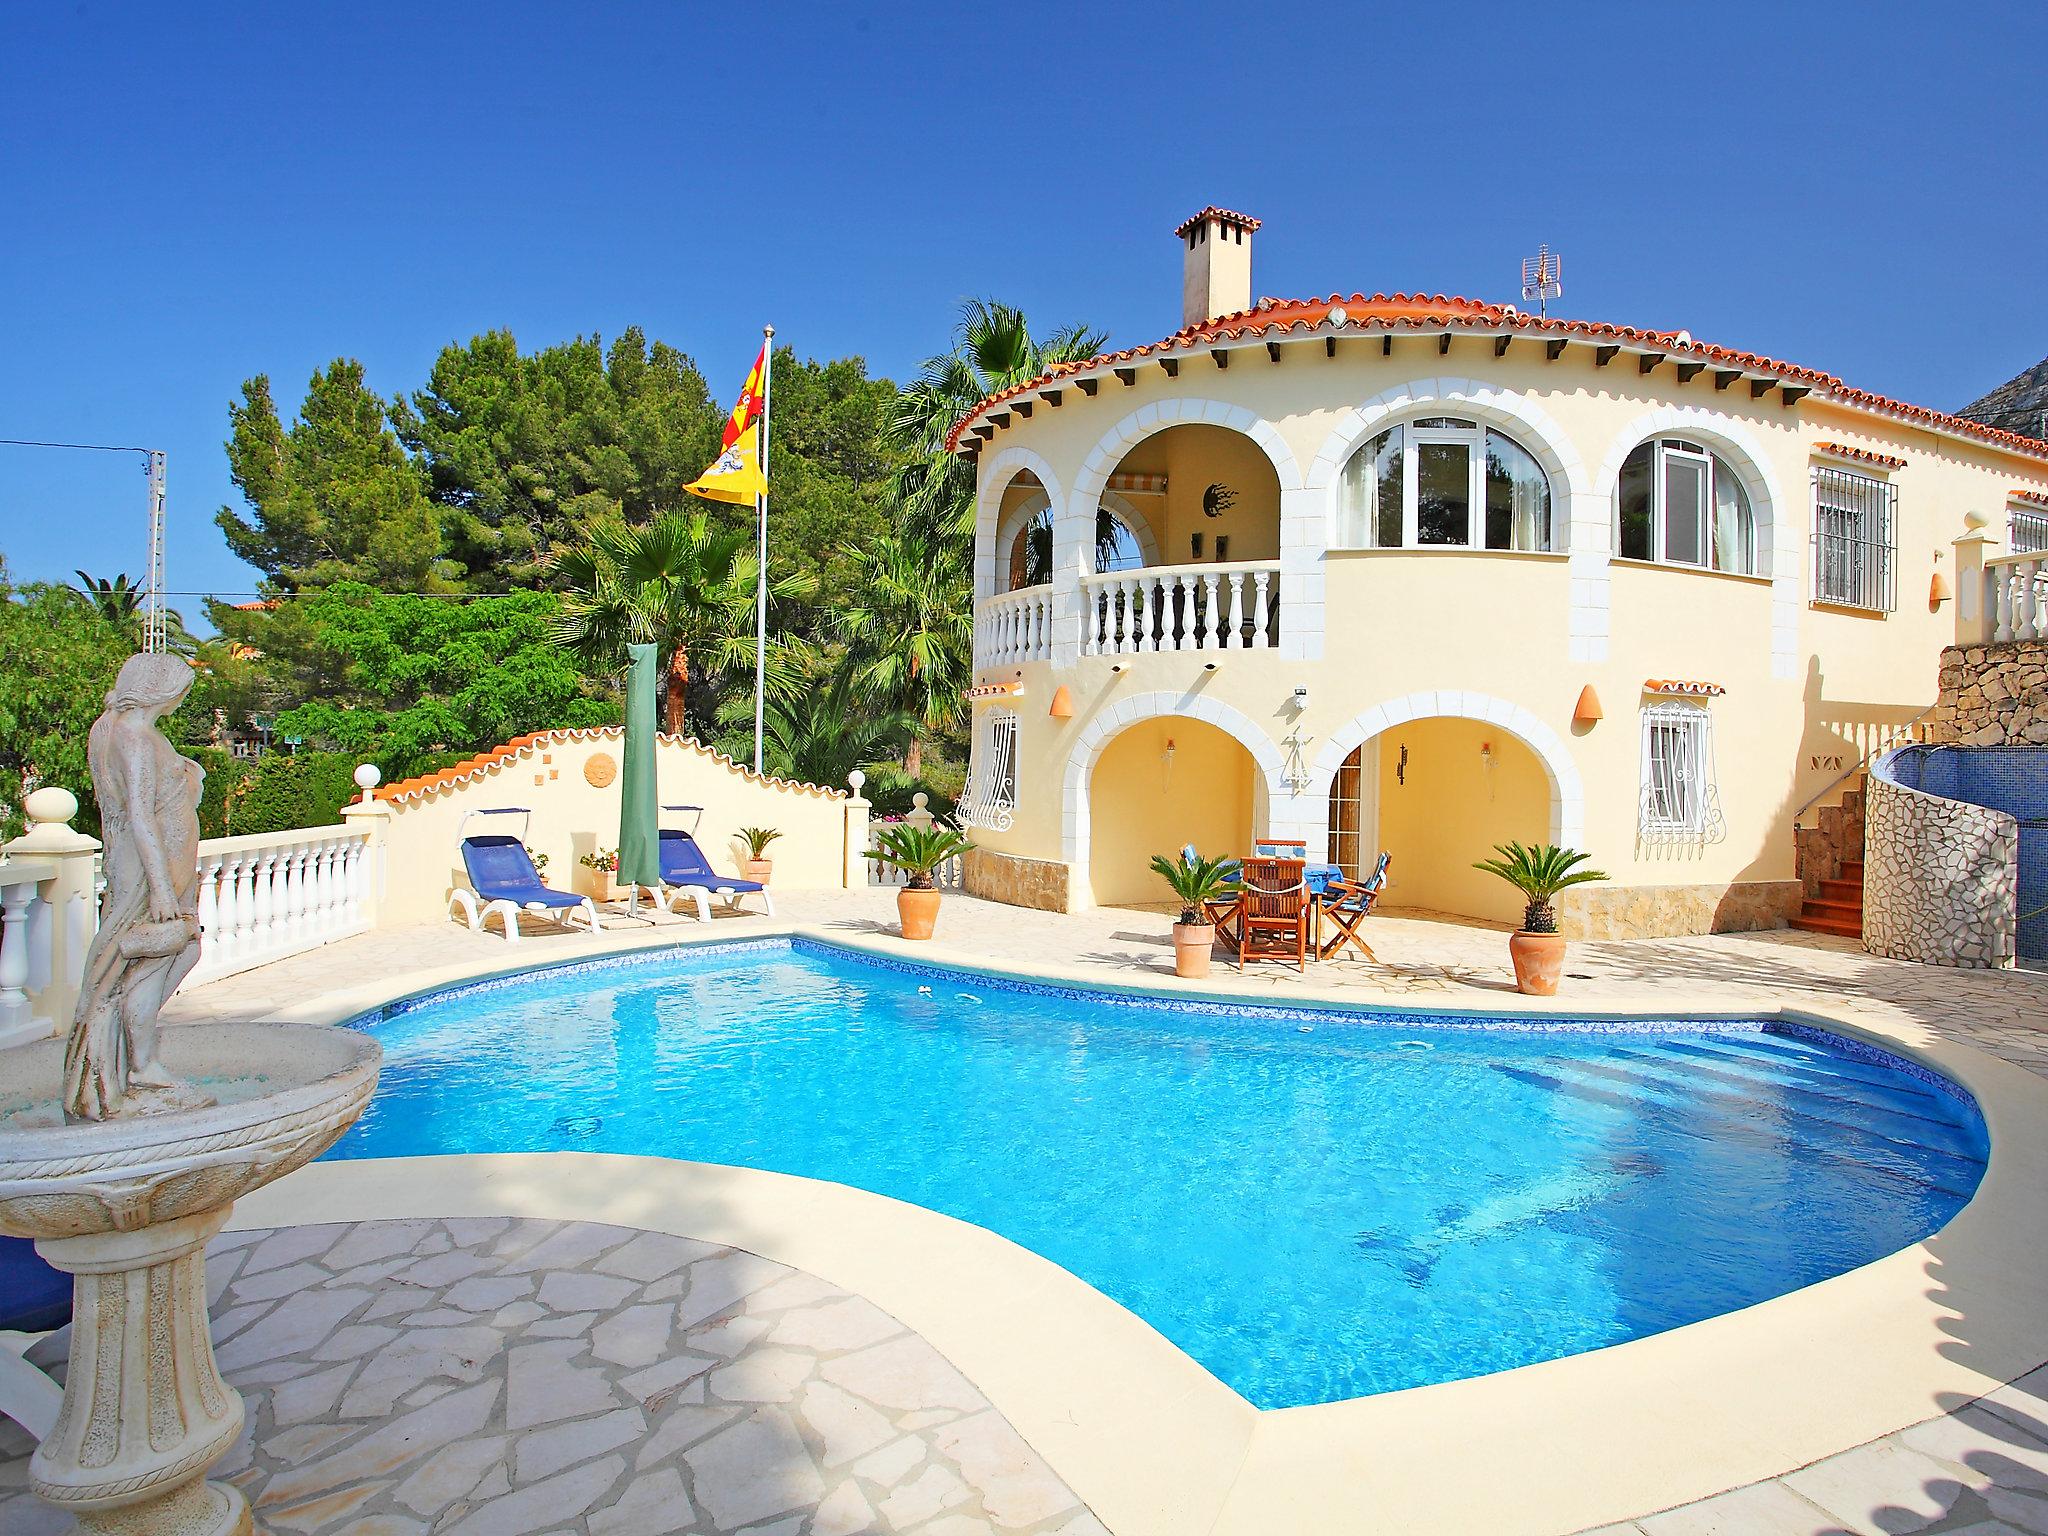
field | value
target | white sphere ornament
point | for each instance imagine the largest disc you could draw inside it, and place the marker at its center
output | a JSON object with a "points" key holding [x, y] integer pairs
{"points": [[368, 776], [51, 803], [1975, 521], [855, 779]]}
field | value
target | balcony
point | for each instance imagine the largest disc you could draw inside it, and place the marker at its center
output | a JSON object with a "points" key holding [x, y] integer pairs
{"points": [[1221, 607]]}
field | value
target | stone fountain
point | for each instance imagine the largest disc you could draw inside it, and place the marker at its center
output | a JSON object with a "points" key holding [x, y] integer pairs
{"points": [[122, 1152]]}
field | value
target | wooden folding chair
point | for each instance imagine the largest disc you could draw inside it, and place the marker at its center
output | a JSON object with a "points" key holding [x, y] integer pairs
{"points": [[1273, 913], [1347, 904]]}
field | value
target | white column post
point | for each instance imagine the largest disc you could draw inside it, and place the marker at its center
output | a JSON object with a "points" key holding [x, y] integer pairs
{"points": [[376, 817], [855, 873], [1303, 540], [1073, 532], [75, 913]]}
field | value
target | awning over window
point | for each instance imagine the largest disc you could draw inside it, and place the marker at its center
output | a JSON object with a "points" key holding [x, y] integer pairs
{"points": [[1682, 687]]}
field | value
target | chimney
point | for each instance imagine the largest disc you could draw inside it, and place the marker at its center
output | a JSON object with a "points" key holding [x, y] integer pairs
{"points": [[1216, 278]]}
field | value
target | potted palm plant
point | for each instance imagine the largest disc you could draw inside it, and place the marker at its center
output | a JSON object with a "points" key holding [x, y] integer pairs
{"points": [[757, 839], [1539, 873], [917, 851], [1196, 881]]}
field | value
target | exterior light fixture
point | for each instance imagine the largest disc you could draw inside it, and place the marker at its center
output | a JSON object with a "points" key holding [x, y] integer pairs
{"points": [[1301, 700], [1062, 704], [1587, 710]]}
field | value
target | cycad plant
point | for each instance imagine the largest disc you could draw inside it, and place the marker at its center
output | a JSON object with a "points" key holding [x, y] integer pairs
{"points": [[1539, 872], [1195, 881], [909, 630], [917, 851]]}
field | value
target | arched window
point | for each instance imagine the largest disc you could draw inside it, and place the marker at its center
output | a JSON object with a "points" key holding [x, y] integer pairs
{"points": [[1030, 559], [1680, 502], [1443, 481]]}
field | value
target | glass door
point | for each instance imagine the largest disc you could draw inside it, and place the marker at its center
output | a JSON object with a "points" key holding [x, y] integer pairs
{"points": [[1445, 486]]}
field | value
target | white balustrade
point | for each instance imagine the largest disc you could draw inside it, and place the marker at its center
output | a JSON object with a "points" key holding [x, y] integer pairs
{"points": [[28, 927], [1230, 607], [2015, 602], [279, 893], [1014, 626]]}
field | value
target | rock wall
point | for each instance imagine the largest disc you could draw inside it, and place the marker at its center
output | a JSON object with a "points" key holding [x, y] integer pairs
{"points": [[1940, 878], [1671, 911], [1993, 695], [1043, 884]]}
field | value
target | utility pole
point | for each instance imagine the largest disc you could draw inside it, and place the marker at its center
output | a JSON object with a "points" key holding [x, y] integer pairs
{"points": [[154, 635]]}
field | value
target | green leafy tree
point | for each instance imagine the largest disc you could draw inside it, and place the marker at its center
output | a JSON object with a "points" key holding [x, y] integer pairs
{"points": [[684, 586], [526, 452], [817, 734], [993, 348], [908, 623], [58, 657], [415, 678], [333, 497]]}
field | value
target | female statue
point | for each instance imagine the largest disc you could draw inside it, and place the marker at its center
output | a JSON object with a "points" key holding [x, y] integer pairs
{"points": [[148, 939]]}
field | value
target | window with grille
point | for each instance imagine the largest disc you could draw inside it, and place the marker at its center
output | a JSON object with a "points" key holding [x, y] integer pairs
{"points": [[2026, 533], [1680, 802], [1855, 540], [991, 797]]}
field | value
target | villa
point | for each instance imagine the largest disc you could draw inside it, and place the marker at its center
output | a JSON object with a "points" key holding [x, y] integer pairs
{"points": [[1423, 574]]}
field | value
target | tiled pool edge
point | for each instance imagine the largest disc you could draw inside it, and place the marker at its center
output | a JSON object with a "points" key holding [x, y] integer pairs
{"points": [[1749, 1395]]}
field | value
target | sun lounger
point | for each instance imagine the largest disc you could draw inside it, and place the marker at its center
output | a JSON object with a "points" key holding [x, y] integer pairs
{"points": [[503, 881], [685, 872]]}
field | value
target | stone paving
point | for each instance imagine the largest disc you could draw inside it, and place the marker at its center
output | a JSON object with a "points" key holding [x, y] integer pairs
{"points": [[1980, 1470], [493, 1377]]}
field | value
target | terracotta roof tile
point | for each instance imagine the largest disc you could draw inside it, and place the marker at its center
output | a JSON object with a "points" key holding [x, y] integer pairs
{"points": [[1414, 313], [1681, 685], [484, 763], [1859, 455], [1243, 221], [2030, 498]]}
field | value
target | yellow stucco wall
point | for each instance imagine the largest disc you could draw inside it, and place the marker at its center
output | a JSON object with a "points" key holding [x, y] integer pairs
{"points": [[1493, 631], [572, 816], [1143, 804], [1452, 809]]}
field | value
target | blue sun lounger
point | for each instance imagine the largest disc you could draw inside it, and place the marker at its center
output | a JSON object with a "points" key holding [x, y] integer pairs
{"points": [[686, 872], [503, 881], [34, 1298]]}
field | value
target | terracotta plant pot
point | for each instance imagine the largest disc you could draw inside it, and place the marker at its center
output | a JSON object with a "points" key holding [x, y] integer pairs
{"points": [[760, 869], [918, 911], [1192, 945], [1539, 962]]}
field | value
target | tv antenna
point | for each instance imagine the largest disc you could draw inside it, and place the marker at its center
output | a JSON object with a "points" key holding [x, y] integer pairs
{"points": [[1542, 278]]}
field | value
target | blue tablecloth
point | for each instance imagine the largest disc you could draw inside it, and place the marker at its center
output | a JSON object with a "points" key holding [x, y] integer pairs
{"points": [[1319, 876]]}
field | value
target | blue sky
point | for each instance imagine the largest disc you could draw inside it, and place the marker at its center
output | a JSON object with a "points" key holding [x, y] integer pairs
{"points": [[194, 194]]}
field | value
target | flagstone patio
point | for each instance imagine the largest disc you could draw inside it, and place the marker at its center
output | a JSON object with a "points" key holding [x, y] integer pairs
{"points": [[499, 1376]]}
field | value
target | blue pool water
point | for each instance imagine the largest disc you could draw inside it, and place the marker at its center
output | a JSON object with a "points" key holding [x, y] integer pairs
{"points": [[1315, 1205]]}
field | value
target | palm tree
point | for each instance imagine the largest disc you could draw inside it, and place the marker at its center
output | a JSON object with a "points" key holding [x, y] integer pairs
{"points": [[820, 734], [909, 628], [125, 606], [992, 349], [681, 584]]}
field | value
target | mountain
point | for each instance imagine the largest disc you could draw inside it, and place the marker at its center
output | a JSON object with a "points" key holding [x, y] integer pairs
{"points": [[2018, 405]]}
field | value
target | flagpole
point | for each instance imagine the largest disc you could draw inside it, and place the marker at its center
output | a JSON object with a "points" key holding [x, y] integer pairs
{"points": [[761, 519]]}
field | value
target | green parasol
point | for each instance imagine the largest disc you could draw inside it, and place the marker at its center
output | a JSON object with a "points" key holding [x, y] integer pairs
{"points": [[639, 847]]}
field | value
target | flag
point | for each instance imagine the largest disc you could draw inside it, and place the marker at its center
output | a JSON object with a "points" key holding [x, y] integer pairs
{"points": [[735, 475], [747, 409]]}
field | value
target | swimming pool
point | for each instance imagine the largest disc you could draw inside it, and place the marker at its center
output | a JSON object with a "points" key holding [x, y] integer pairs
{"points": [[1314, 1204]]}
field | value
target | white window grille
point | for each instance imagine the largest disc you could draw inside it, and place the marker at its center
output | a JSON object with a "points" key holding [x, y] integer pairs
{"points": [[1854, 540], [2026, 533], [1680, 801], [990, 799]]}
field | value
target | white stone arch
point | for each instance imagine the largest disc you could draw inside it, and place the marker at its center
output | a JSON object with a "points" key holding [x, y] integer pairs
{"points": [[1111, 447], [1111, 722], [1510, 410], [994, 479], [1017, 517], [1140, 526], [1777, 537], [1567, 788]]}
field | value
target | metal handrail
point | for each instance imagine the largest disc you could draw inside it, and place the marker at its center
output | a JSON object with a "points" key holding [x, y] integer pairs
{"points": [[1859, 766]]}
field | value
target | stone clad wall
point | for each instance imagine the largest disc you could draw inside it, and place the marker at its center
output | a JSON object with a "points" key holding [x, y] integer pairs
{"points": [[1993, 695], [1669, 911], [1043, 884], [1940, 879]]}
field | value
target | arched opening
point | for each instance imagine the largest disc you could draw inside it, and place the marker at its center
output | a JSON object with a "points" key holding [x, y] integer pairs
{"points": [[1442, 481], [1681, 501], [1438, 793], [1209, 494], [1025, 547], [1157, 786]]}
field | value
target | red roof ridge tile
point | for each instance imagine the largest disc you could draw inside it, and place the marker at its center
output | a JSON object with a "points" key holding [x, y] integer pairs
{"points": [[473, 768], [1860, 455], [1390, 312], [1243, 221]]}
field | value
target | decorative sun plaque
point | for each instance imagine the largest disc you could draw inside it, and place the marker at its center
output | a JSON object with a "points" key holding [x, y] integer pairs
{"points": [[601, 769]]}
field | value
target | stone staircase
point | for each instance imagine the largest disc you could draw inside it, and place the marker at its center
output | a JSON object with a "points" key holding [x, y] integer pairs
{"points": [[1830, 863]]}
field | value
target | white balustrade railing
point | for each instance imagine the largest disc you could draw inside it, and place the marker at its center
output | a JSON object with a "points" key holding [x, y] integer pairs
{"points": [[2016, 597], [28, 920], [1232, 607], [949, 876], [274, 894], [1014, 626]]}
